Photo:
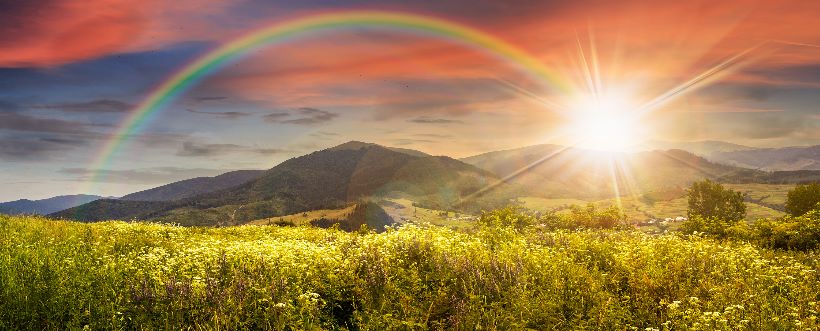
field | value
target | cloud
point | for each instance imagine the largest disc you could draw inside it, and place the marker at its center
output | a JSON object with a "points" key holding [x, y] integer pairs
{"points": [[231, 115], [275, 117], [19, 122], [324, 134], [154, 175], [50, 33], [433, 120], [213, 98], [433, 135], [194, 149], [768, 126], [94, 106], [732, 109], [303, 116], [53, 32], [35, 149], [407, 141]]}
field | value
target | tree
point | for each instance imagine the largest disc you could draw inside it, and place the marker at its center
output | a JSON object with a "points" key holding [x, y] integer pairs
{"points": [[802, 199], [709, 199]]}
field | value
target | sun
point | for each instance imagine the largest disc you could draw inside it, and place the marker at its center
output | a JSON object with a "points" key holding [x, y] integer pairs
{"points": [[605, 123]]}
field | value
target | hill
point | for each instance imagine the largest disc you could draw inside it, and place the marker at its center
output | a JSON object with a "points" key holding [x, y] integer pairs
{"points": [[194, 186], [559, 172], [45, 206], [773, 159], [703, 148], [115, 275], [329, 178]]}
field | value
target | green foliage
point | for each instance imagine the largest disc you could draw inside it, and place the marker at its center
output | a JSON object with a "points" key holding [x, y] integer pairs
{"points": [[115, 275], [712, 226], [710, 199], [511, 216], [591, 217], [800, 233], [802, 199]]}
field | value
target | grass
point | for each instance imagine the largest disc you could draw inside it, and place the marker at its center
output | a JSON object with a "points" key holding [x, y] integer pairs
{"points": [[767, 193], [403, 211], [116, 275], [638, 208], [305, 217]]}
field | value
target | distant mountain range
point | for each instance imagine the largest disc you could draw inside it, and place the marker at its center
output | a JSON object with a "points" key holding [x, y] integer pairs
{"points": [[194, 186], [768, 159], [343, 175], [558, 172], [773, 159], [702, 148], [328, 178], [45, 206]]}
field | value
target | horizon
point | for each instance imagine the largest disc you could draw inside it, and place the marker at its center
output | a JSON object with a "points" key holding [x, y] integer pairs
{"points": [[263, 168], [81, 115]]}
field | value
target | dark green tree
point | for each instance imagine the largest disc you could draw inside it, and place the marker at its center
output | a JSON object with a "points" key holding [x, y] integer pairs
{"points": [[709, 199], [802, 199]]}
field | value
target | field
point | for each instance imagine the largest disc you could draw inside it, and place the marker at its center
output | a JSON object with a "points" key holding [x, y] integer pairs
{"points": [[116, 275], [761, 199], [306, 217]]}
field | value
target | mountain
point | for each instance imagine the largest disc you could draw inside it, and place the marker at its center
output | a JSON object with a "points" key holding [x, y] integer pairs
{"points": [[45, 206], [194, 186], [354, 145], [328, 178], [704, 148], [559, 172], [773, 159], [768, 159]]}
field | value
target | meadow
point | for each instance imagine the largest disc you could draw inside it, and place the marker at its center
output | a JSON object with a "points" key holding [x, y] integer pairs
{"points": [[118, 275], [762, 201]]}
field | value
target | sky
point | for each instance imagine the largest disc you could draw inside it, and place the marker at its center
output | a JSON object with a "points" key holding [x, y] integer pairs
{"points": [[72, 71]]}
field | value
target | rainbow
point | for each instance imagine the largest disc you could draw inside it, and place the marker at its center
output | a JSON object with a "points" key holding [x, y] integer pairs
{"points": [[189, 75]]}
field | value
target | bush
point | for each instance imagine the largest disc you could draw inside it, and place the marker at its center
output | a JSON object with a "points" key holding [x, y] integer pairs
{"points": [[593, 218], [711, 226], [710, 199], [798, 233], [511, 216], [802, 199]]}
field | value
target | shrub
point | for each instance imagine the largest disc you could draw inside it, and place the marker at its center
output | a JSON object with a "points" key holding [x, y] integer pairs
{"points": [[710, 199], [591, 217], [711, 226], [799, 233], [802, 199], [511, 216]]}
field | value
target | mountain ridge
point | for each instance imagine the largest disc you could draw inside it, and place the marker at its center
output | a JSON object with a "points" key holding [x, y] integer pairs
{"points": [[327, 178], [46, 206]]}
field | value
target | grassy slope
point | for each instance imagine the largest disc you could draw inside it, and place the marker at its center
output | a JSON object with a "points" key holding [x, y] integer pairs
{"points": [[639, 209], [305, 217], [56, 275]]}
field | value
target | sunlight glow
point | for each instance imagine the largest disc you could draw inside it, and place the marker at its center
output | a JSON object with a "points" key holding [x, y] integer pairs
{"points": [[605, 123]]}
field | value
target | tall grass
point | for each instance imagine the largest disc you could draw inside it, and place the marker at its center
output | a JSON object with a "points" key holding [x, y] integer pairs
{"points": [[115, 275]]}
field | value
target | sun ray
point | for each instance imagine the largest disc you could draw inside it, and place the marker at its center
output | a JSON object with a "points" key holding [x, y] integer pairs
{"points": [[701, 80]]}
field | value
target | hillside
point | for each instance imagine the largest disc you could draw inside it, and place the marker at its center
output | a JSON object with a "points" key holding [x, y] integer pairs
{"points": [[773, 159], [116, 275], [328, 178], [557, 172], [194, 186], [704, 148], [365, 213], [45, 206]]}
